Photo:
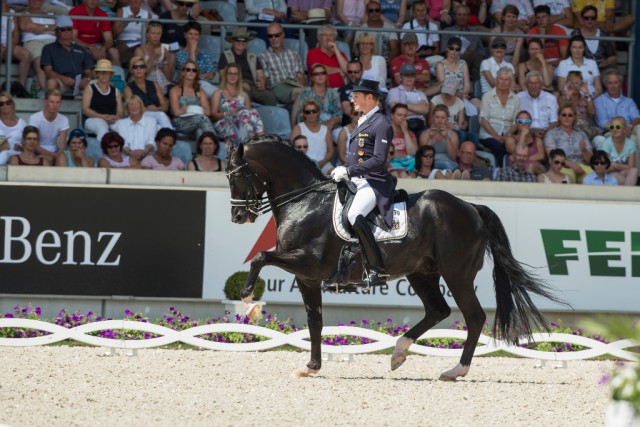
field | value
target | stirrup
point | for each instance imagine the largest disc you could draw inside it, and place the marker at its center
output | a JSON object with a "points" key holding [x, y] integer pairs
{"points": [[372, 278]]}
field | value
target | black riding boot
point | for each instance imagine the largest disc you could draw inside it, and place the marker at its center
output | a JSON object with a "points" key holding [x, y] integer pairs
{"points": [[371, 251]]}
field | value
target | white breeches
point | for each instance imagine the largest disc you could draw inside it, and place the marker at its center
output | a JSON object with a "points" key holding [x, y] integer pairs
{"points": [[363, 202]]}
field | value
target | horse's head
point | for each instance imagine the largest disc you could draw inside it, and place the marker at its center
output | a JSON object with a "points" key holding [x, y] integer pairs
{"points": [[245, 185]]}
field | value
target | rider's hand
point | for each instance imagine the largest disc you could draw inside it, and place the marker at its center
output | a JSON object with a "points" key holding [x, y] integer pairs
{"points": [[339, 174]]}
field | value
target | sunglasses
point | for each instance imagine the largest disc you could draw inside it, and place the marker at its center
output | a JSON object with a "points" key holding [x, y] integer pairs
{"points": [[314, 111], [182, 3], [590, 18], [524, 121], [455, 49], [3, 103], [138, 67], [112, 146], [300, 147], [566, 115], [319, 73], [190, 70], [64, 29], [353, 72], [273, 36], [616, 127], [428, 156], [499, 46], [373, 10], [599, 163], [558, 162]]}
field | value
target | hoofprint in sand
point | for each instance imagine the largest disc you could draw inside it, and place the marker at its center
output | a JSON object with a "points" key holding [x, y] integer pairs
{"points": [[65, 386]]}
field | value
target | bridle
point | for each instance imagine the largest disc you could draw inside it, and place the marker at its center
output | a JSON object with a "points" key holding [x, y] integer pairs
{"points": [[263, 204]]}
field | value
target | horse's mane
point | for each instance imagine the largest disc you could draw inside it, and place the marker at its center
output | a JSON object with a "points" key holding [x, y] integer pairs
{"points": [[299, 156]]}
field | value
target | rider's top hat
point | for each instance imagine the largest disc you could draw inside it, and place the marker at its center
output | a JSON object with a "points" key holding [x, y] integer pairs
{"points": [[367, 86]]}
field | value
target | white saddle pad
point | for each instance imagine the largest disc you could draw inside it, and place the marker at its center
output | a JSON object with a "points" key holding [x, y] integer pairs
{"points": [[398, 229]]}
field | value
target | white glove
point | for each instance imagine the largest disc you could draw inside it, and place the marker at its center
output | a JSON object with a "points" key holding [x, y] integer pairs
{"points": [[339, 174]]}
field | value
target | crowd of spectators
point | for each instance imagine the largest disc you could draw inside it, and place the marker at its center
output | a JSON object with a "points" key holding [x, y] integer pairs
{"points": [[504, 105]]}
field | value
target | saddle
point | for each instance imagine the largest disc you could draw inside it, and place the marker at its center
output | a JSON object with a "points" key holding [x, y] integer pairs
{"points": [[347, 191], [351, 249]]}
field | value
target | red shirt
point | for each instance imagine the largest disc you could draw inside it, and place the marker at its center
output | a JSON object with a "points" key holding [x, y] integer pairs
{"points": [[421, 66], [90, 31], [317, 56], [551, 47]]}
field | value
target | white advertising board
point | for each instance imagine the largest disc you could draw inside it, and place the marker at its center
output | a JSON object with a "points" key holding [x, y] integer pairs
{"points": [[588, 252]]}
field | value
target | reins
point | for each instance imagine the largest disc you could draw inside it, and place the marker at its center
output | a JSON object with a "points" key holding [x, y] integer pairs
{"points": [[257, 205]]}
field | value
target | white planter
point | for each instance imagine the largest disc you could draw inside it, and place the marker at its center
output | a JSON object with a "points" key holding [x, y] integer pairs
{"points": [[621, 414], [237, 307]]}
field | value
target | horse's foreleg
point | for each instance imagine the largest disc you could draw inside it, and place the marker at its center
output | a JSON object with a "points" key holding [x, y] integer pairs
{"points": [[283, 260], [312, 298], [435, 307]]}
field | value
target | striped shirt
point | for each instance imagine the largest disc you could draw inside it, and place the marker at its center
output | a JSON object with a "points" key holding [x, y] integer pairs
{"points": [[281, 66]]}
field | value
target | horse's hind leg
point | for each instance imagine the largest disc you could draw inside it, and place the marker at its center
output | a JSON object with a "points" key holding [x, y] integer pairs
{"points": [[426, 286], [474, 317], [312, 298]]}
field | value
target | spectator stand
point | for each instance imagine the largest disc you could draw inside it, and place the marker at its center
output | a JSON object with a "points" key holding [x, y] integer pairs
{"points": [[275, 120]]}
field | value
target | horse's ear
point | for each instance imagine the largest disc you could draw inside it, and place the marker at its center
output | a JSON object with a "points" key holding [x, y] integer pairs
{"points": [[229, 145]]}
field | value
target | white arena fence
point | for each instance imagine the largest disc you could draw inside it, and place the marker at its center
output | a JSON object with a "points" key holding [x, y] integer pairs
{"points": [[299, 340]]}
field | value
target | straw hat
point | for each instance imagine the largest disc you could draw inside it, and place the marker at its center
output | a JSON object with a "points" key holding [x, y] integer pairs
{"points": [[315, 15], [104, 65], [240, 33]]}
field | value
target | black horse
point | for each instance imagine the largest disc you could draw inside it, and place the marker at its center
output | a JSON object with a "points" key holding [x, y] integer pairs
{"points": [[447, 238]]}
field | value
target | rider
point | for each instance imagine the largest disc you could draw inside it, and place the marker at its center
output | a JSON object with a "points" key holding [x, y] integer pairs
{"points": [[366, 159]]}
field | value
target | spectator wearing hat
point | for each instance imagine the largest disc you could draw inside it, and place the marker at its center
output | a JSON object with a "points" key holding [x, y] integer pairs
{"points": [[409, 56], [310, 12], [416, 101], [328, 54], [203, 58], [367, 155], [52, 125], [282, 66], [101, 101], [66, 64], [75, 155], [254, 79], [509, 25], [428, 41], [554, 48], [128, 34], [95, 36], [490, 66], [542, 105], [471, 47], [390, 48]]}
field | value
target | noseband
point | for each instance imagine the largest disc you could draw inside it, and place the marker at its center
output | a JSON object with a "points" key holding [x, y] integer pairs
{"points": [[251, 203]]}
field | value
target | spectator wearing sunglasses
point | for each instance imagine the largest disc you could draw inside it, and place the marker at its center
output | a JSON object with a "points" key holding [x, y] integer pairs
{"points": [[555, 175], [471, 47], [66, 64], [318, 135], [390, 45], [525, 136], [326, 97], [606, 17], [601, 51], [301, 143], [621, 151], [509, 25], [572, 141], [283, 67], [600, 163], [354, 73], [490, 66]]}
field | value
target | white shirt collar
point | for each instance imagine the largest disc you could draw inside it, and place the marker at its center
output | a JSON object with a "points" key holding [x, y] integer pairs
{"points": [[364, 118]]}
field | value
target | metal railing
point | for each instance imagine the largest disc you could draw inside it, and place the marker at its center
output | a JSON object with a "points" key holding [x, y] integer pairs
{"points": [[301, 28]]}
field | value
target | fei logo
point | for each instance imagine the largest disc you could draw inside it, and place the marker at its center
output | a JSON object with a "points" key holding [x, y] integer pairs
{"points": [[598, 247]]}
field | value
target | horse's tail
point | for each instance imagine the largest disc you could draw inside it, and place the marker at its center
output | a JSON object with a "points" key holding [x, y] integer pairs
{"points": [[516, 314]]}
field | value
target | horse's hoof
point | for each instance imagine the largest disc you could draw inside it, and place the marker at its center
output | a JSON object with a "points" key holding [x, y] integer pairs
{"points": [[453, 374], [397, 359], [253, 312], [304, 372]]}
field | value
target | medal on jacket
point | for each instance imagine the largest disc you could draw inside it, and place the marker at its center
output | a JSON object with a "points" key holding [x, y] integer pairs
{"points": [[360, 152], [360, 142]]}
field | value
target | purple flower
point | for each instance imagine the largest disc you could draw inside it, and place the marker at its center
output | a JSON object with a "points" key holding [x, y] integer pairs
{"points": [[38, 311]]}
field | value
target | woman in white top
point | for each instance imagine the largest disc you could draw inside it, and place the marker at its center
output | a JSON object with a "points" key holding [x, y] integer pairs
{"points": [[319, 137], [18, 52], [36, 34], [374, 67], [577, 61], [11, 127]]}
